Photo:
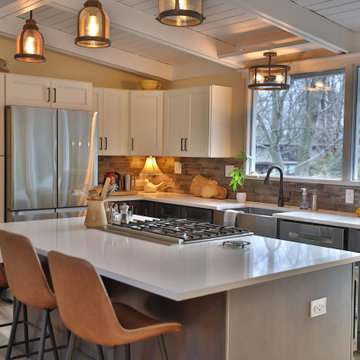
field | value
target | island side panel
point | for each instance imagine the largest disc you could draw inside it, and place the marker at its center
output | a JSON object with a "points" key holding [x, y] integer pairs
{"points": [[272, 320], [203, 319]]}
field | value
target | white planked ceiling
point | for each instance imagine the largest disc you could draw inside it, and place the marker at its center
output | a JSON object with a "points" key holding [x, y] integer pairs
{"points": [[343, 12], [234, 31]]}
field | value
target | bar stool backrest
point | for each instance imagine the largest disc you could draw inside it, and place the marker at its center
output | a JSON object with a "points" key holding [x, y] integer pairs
{"points": [[83, 302], [24, 273]]}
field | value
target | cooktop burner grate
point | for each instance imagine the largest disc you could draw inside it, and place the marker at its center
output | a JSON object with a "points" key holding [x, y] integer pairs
{"points": [[177, 231]]}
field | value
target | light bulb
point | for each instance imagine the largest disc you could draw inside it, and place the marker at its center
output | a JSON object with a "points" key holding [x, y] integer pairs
{"points": [[259, 78], [30, 45], [319, 84], [93, 26], [279, 78]]}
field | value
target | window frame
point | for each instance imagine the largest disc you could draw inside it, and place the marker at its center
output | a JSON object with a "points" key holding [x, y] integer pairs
{"points": [[351, 128]]}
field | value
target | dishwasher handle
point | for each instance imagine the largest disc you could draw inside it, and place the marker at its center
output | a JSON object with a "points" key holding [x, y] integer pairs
{"points": [[312, 237]]}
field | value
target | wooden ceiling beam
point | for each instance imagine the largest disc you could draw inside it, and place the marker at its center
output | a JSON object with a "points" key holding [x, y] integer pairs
{"points": [[293, 18], [265, 47], [111, 56], [143, 24]]}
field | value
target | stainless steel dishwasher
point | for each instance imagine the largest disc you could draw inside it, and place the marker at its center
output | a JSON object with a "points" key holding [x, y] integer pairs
{"points": [[313, 234]]}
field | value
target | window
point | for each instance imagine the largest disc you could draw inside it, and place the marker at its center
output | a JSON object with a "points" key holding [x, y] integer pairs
{"points": [[300, 129]]}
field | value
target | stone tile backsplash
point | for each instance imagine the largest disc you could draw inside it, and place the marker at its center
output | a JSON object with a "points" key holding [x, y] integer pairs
{"points": [[330, 197]]}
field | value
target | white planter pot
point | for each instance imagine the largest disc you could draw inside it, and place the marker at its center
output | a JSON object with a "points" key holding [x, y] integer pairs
{"points": [[241, 197]]}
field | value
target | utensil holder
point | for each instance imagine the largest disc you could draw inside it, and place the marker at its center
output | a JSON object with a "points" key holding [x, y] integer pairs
{"points": [[96, 214]]}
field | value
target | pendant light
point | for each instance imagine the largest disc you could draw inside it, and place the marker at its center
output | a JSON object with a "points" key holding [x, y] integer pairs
{"points": [[30, 43], [92, 26], [269, 77], [180, 12]]}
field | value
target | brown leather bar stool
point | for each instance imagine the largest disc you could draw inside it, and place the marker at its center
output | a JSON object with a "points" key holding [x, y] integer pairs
{"points": [[88, 313], [29, 286]]}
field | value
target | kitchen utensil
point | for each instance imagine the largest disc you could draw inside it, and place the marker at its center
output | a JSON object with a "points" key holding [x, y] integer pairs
{"points": [[105, 188], [114, 178]]}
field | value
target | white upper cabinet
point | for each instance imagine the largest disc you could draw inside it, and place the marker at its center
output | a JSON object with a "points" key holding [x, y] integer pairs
{"points": [[26, 90], [197, 122], [113, 120], [146, 122], [69, 94]]}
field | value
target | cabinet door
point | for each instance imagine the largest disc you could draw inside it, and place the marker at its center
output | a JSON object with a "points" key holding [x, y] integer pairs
{"points": [[71, 95], [116, 122], [27, 90], [175, 118], [167, 211], [146, 122], [98, 105], [2, 115], [197, 138], [196, 214]]}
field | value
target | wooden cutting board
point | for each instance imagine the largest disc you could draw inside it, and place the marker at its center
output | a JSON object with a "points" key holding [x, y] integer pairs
{"points": [[124, 193]]}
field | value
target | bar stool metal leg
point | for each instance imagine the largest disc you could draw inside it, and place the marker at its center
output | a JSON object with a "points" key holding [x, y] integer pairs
{"points": [[70, 347], [100, 352], [13, 329], [43, 334], [111, 353], [127, 352], [52, 338], [26, 330], [162, 347]]}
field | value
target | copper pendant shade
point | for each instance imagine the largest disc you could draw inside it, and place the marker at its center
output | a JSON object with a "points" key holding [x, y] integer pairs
{"points": [[270, 76], [180, 13], [92, 26], [30, 43]]}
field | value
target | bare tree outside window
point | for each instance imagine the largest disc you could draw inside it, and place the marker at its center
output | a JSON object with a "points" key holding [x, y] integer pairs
{"points": [[301, 129]]}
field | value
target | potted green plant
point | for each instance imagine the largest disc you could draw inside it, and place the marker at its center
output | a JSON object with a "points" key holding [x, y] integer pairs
{"points": [[238, 177]]}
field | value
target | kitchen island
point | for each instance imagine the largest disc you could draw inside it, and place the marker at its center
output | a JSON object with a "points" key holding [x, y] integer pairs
{"points": [[247, 304]]}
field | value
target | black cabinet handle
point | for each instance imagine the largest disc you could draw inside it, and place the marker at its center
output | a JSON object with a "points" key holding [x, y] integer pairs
{"points": [[54, 95], [48, 98], [101, 143], [182, 144], [185, 146], [132, 144], [105, 143]]}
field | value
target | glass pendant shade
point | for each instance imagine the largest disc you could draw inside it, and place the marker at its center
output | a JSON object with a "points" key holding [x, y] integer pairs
{"points": [[180, 12], [93, 26], [30, 43], [269, 77]]}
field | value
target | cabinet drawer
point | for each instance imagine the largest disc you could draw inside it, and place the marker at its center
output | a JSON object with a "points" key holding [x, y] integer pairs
{"points": [[167, 211], [196, 214], [312, 234]]}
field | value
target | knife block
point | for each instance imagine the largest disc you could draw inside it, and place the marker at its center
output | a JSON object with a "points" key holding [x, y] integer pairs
{"points": [[96, 214]]}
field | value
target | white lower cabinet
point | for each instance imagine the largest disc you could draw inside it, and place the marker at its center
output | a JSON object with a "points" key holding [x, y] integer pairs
{"points": [[113, 120], [198, 122], [146, 122], [24, 90]]}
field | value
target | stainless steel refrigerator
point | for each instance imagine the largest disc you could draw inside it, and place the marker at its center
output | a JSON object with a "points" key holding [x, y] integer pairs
{"points": [[50, 155]]}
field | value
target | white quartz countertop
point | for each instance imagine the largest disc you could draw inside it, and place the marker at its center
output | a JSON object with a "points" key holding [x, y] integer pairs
{"points": [[179, 272], [322, 217]]}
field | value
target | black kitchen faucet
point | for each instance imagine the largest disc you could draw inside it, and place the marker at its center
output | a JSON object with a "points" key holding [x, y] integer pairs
{"points": [[281, 187]]}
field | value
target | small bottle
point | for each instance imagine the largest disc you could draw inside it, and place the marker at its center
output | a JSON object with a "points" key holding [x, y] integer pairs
{"points": [[304, 201], [131, 213], [314, 200]]}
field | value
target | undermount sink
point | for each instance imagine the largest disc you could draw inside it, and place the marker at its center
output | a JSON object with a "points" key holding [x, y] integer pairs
{"points": [[261, 211]]}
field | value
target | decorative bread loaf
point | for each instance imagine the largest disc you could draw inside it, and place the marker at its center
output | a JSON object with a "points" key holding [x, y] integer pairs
{"points": [[207, 188]]}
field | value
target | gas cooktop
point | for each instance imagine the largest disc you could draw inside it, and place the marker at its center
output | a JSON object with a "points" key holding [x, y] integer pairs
{"points": [[176, 231]]}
